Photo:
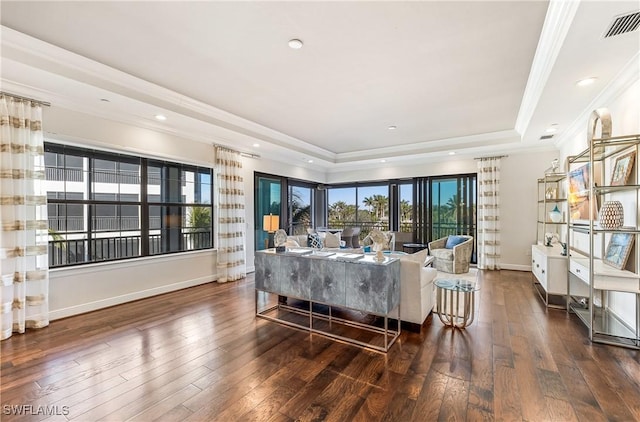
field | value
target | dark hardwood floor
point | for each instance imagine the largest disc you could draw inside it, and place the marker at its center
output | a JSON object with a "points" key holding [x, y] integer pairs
{"points": [[201, 355]]}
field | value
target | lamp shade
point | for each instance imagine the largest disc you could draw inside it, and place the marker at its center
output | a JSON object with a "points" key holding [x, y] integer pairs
{"points": [[270, 223]]}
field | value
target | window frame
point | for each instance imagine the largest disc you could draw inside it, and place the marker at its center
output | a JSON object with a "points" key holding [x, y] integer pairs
{"points": [[90, 233]]}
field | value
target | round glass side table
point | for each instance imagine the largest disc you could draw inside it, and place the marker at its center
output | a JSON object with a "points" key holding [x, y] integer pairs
{"points": [[455, 301]]}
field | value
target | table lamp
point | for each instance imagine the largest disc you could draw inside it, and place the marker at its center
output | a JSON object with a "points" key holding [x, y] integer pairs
{"points": [[270, 223]]}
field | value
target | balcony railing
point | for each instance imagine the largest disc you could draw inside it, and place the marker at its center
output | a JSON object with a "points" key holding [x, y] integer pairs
{"points": [[62, 174], [99, 176], [77, 223], [76, 251]]}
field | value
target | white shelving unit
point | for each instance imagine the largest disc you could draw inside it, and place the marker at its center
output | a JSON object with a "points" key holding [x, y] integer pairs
{"points": [[552, 193], [548, 265], [605, 298]]}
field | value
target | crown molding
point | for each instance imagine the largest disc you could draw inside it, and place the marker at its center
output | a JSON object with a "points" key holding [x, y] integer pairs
{"points": [[502, 138], [56, 60], [556, 25]]}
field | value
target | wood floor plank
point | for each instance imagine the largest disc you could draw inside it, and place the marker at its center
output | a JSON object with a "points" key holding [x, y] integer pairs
{"points": [[532, 399], [200, 354]]}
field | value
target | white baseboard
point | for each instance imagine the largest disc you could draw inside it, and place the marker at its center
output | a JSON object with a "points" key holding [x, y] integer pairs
{"points": [[117, 300], [515, 267]]}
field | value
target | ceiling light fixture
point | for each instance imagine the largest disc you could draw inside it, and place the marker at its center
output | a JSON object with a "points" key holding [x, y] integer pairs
{"points": [[551, 130], [586, 81], [296, 44], [256, 145], [392, 127], [383, 161], [161, 117], [452, 153], [309, 161], [105, 100]]}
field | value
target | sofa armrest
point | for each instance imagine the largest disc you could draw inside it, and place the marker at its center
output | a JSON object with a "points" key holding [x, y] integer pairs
{"points": [[438, 244], [416, 291], [462, 253]]}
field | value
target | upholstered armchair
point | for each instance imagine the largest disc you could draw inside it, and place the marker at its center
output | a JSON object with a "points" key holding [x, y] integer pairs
{"points": [[452, 253]]}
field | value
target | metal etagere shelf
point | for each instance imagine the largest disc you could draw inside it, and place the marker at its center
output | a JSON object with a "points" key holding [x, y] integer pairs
{"points": [[610, 307]]}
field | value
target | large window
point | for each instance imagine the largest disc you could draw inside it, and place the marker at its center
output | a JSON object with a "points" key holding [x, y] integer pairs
{"points": [[300, 209], [105, 206], [364, 206]]}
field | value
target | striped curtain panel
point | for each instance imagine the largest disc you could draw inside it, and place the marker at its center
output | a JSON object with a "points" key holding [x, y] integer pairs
{"points": [[231, 216], [489, 213], [24, 265]]}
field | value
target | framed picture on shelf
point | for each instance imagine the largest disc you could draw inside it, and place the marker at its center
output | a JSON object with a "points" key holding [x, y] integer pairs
{"points": [[579, 204], [618, 250], [622, 169]]}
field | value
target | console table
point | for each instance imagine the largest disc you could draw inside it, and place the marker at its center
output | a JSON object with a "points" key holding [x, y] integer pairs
{"points": [[333, 280]]}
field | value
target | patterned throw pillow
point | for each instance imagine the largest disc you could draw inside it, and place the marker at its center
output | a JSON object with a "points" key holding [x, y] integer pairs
{"points": [[314, 241]]}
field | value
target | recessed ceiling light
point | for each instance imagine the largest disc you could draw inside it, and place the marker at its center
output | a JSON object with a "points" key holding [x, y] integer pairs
{"points": [[309, 161], [161, 117], [105, 100], [256, 145], [383, 161], [392, 127], [452, 153], [586, 81], [551, 129], [295, 43]]}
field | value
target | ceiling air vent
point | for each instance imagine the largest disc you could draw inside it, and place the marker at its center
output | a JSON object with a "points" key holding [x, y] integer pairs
{"points": [[623, 24], [545, 137]]}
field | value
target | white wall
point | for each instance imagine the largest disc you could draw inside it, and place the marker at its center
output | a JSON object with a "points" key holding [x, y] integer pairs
{"points": [[82, 289], [519, 206], [94, 286]]}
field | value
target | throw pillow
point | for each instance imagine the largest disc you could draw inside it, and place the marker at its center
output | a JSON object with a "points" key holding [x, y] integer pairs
{"points": [[314, 241], [292, 243], [453, 241], [332, 240]]}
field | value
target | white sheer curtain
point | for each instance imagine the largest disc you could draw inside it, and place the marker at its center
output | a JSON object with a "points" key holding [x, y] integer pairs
{"points": [[231, 216], [24, 263], [489, 213]]}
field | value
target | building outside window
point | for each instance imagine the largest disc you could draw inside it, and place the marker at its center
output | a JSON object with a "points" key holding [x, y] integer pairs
{"points": [[105, 206]]}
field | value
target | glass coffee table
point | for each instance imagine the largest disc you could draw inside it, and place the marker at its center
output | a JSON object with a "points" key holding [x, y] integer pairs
{"points": [[455, 301]]}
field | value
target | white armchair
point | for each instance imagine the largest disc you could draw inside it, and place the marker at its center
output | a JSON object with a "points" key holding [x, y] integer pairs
{"points": [[452, 253]]}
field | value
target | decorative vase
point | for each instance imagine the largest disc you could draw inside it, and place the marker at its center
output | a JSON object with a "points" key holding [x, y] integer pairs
{"points": [[611, 215], [555, 215]]}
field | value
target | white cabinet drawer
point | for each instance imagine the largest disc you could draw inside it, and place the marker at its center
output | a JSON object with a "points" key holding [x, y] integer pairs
{"points": [[539, 267], [580, 268]]}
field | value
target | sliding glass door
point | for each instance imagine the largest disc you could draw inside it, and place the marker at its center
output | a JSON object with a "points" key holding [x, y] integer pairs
{"points": [[453, 206], [267, 203], [300, 209]]}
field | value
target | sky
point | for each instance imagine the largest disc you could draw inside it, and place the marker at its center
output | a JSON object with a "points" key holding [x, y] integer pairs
{"points": [[449, 188]]}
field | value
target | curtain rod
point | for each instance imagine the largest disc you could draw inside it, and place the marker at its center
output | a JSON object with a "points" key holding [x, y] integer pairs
{"points": [[19, 97], [487, 158], [242, 154]]}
